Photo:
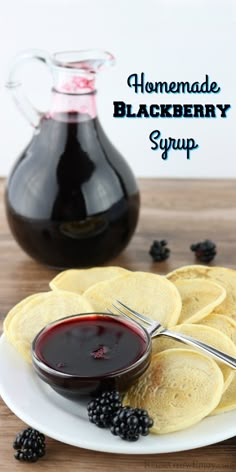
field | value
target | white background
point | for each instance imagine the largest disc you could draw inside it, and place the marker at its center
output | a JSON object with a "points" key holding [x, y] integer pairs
{"points": [[170, 40]]}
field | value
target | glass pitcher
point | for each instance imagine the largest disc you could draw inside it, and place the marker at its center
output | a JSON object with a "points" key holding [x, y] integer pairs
{"points": [[71, 198]]}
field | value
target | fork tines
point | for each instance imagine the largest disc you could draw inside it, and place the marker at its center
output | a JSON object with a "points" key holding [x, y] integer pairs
{"points": [[130, 310]]}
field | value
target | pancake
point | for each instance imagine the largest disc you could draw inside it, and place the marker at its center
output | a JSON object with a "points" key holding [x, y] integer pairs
{"points": [[205, 334], [19, 306], [179, 389], [222, 276], [79, 280], [199, 298], [228, 399], [33, 313], [223, 323], [150, 294]]}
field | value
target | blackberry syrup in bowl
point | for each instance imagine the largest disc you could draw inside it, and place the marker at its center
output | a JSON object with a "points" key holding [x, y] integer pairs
{"points": [[89, 353]]}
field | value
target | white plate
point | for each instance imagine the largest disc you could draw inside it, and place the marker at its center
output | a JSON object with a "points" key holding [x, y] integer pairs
{"points": [[40, 407]]}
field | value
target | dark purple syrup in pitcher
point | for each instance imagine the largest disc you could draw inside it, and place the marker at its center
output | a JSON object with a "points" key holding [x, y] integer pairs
{"points": [[91, 346], [71, 199]]}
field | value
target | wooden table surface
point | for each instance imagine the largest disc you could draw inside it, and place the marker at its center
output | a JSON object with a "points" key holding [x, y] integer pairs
{"points": [[181, 211]]}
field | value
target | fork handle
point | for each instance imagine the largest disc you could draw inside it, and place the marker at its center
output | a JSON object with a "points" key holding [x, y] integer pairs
{"points": [[218, 355]]}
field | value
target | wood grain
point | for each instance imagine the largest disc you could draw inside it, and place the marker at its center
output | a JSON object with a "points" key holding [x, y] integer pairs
{"points": [[180, 211]]}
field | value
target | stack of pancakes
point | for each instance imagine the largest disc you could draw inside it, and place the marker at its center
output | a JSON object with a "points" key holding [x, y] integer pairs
{"points": [[182, 385]]}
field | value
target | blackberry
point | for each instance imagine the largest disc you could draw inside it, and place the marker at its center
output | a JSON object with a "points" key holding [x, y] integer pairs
{"points": [[30, 445], [158, 251], [129, 423], [205, 251], [102, 408]]}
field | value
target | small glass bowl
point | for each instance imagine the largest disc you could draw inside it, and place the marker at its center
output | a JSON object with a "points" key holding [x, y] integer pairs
{"points": [[75, 385]]}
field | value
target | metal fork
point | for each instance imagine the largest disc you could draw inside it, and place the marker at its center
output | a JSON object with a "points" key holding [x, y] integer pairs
{"points": [[155, 329]]}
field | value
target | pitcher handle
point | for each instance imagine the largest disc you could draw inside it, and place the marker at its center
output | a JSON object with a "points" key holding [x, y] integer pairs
{"points": [[14, 84]]}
